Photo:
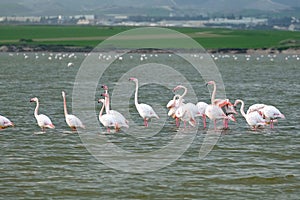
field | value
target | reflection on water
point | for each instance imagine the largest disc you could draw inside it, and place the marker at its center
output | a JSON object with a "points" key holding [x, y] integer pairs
{"points": [[243, 164]]}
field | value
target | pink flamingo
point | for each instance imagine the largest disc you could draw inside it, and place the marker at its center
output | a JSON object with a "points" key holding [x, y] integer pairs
{"points": [[214, 110], [145, 111], [173, 106], [107, 120], [72, 121], [186, 112], [254, 119], [119, 118], [4, 122], [42, 120]]}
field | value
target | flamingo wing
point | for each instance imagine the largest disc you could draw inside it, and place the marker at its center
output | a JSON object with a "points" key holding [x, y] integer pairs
{"points": [[271, 112], [107, 120], [44, 121], [119, 118], [74, 121], [255, 107], [254, 119], [4, 122], [146, 111], [201, 107]]}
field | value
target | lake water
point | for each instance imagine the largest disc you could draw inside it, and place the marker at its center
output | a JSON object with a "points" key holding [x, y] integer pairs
{"points": [[56, 165]]}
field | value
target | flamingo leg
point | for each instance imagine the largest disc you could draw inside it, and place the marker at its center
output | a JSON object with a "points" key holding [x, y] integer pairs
{"points": [[215, 124], [204, 120], [177, 122], [271, 124], [226, 123], [108, 129], [117, 128], [146, 122]]}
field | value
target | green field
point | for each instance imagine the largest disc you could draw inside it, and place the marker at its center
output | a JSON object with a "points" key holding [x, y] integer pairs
{"points": [[90, 36]]}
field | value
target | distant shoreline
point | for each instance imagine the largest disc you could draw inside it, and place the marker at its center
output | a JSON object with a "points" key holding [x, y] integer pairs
{"points": [[63, 48]]}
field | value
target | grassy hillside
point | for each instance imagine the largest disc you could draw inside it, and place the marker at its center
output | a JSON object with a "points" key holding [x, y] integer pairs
{"points": [[83, 36]]}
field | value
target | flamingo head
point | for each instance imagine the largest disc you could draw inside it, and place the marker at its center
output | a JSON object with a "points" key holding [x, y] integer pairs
{"points": [[133, 79], [63, 93], [104, 87], [210, 83], [35, 99], [100, 100], [230, 109], [104, 95]]}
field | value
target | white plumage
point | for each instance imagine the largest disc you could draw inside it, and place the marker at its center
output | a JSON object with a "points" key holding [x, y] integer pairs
{"points": [[4, 122], [42, 120]]}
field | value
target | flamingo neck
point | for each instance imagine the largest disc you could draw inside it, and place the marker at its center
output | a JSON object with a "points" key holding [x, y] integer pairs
{"points": [[136, 93], [65, 106], [102, 108], [242, 108], [106, 99], [36, 108], [213, 95], [183, 95], [107, 109]]}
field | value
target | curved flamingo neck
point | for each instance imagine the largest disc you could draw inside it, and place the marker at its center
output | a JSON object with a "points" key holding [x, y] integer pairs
{"points": [[183, 95], [65, 106], [242, 108], [36, 108], [136, 93]]}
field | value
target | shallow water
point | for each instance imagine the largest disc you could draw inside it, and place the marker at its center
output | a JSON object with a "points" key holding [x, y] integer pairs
{"points": [[242, 165]]}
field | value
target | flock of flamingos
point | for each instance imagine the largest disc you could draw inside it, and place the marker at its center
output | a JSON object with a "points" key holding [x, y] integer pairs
{"points": [[257, 115]]}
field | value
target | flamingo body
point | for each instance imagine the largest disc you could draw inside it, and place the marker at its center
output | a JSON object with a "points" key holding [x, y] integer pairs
{"points": [[73, 122], [4, 122], [256, 107], [107, 120], [44, 121], [271, 113]]}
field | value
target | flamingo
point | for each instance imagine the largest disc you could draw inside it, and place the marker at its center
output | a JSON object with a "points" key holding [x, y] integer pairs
{"points": [[4, 122], [271, 113], [119, 118], [72, 121], [173, 106], [254, 119], [186, 112], [214, 110], [230, 112], [107, 120], [145, 111], [42, 120]]}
